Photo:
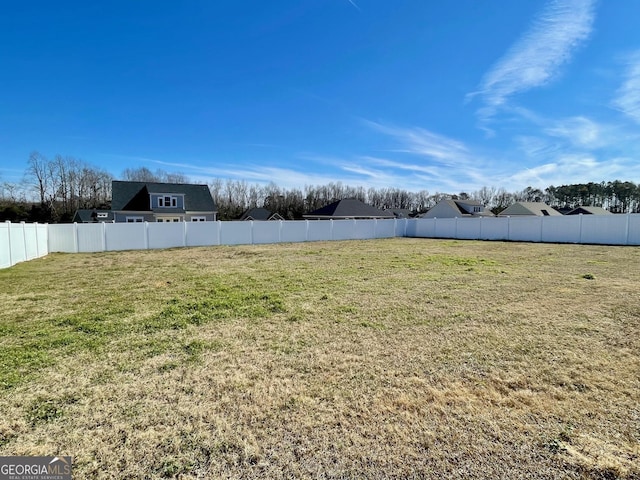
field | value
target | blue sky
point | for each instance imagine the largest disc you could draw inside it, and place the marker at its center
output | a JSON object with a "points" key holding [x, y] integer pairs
{"points": [[413, 94]]}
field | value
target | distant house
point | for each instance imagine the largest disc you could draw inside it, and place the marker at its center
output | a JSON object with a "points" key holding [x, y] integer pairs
{"points": [[399, 212], [348, 208], [92, 216], [457, 209], [260, 214], [161, 202], [589, 211], [520, 209]]}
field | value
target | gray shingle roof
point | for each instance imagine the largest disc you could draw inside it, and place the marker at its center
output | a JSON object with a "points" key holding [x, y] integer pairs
{"points": [[256, 214], [529, 208], [589, 211], [86, 216], [348, 208], [135, 195]]}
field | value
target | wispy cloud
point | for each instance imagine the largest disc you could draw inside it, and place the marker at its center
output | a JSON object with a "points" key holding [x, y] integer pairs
{"points": [[352, 2], [627, 98], [420, 141], [574, 168], [580, 131], [538, 56], [438, 161]]}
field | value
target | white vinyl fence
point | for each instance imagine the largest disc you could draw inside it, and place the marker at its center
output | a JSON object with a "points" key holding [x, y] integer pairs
{"points": [[594, 229], [20, 242], [101, 237]]}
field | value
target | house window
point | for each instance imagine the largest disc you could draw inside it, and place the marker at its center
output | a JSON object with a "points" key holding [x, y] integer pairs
{"points": [[135, 219], [199, 219], [167, 201], [168, 219], [103, 215], [545, 213]]}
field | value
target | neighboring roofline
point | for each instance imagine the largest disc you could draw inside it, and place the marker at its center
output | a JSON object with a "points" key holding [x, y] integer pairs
{"points": [[350, 217]]}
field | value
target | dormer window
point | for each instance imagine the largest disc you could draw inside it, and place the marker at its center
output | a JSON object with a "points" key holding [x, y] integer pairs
{"points": [[167, 201]]}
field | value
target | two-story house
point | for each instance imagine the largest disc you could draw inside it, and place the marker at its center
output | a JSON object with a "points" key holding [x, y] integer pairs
{"points": [[161, 202]]}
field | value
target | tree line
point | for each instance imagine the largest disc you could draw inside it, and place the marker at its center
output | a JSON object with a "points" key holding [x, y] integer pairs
{"points": [[53, 189]]}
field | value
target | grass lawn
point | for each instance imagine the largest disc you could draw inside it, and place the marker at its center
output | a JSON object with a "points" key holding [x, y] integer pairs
{"points": [[395, 358]]}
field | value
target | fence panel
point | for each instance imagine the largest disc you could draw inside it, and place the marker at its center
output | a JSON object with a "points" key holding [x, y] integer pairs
{"points": [[445, 227], [343, 229], [389, 228], [17, 242], [166, 234], [293, 231], [525, 229], [202, 234], [468, 228], [89, 237], [20, 242], [421, 227], [604, 229], [564, 229], [318, 230], [125, 236], [62, 238], [266, 231], [42, 230], [633, 233], [30, 240], [5, 245], [235, 233], [494, 228], [364, 229]]}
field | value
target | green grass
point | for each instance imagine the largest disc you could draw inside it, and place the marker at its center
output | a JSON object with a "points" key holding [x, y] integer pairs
{"points": [[404, 358]]}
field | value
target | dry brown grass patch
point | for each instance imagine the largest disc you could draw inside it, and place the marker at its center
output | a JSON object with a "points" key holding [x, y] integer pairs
{"points": [[399, 358]]}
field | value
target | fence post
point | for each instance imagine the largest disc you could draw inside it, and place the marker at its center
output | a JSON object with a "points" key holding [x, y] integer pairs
{"points": [[580, 234], [104, 236], [219, 233], [251, 233], [306, 231], [280, 224], [11, 264], [146, 235], [35, 225], [76, 241], [184, 234], [541, 227], [628, 228], [24, 240]]}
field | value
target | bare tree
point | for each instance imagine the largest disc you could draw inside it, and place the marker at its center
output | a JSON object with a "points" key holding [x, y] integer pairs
{"points": [[38, 174]]}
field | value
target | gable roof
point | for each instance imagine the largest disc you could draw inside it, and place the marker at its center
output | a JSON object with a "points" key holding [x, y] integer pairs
{"points": [[348, 208], [86, 216], [135, 195], [589, 211], [539, 209], [449, 208], [258, 213], [399, 212]]}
